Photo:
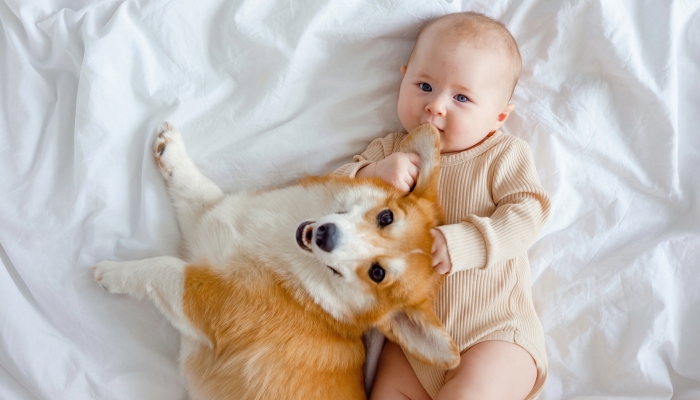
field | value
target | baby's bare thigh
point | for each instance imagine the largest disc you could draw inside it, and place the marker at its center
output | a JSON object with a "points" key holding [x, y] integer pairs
{"points": [[395, 378], [492, 369]]}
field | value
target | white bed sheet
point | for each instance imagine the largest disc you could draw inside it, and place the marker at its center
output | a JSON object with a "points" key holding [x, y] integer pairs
{"points": [[266, 91]]}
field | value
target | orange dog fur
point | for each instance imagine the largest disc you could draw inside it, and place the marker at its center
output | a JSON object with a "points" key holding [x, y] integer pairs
{"points": [[279, 285]]}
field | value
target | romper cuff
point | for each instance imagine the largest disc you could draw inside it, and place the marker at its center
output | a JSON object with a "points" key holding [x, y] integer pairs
{"points": [[352, 168], [465, 245]]}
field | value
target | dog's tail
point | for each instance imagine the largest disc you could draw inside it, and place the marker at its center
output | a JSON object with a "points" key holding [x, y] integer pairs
{"points": [[425, 141]]}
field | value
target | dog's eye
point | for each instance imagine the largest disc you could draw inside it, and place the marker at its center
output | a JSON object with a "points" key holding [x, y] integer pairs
{"points": [[385, 218], [376, 273]]}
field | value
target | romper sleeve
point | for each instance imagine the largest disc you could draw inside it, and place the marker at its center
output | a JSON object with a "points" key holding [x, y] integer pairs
{"points": [[377, 150], [522, 207]]}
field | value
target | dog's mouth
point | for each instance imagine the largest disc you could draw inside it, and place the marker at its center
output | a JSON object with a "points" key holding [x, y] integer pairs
{"points": [[305, 235]]}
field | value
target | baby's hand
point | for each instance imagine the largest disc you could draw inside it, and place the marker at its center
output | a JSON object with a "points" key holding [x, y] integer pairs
{"points": [[441, 257], [400, 170]]}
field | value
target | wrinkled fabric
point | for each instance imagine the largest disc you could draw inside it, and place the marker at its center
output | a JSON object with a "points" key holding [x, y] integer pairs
{"points": [[265, 92]]}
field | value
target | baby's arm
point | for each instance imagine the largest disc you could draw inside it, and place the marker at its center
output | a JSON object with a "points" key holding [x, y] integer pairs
{"points": [[398, 169], [522, 207], [377, 150]]}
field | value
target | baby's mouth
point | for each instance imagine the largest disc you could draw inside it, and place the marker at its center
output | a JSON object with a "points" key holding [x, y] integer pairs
{"points": [[436, 127]]}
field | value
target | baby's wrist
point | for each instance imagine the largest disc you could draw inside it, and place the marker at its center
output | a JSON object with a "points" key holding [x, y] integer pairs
{"points": [[367, 171]]}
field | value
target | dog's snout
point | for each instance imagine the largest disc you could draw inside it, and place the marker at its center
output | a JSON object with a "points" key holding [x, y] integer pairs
{"points": [[326, 237]]}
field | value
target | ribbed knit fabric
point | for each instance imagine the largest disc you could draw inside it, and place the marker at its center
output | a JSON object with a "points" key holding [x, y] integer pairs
{"points": [[494, 207]]}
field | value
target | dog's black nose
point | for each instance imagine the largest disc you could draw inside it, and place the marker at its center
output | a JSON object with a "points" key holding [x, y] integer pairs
{"points": [[326, 236]]}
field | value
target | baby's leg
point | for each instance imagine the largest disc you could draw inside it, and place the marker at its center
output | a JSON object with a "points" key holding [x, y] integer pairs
{"points": [[491, 370], [395, 378], [191, 192]]}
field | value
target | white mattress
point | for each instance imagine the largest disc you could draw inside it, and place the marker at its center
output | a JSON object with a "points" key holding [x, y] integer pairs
{"points": [[267, 91]]}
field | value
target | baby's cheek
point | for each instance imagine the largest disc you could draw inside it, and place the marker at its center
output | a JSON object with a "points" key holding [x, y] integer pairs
{"points": [[405, 116]]}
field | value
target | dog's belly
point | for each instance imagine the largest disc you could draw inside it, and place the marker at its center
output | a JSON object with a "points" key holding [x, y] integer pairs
{"points": [[267, 342], [220, 234], [247, 224], [215, 240]]}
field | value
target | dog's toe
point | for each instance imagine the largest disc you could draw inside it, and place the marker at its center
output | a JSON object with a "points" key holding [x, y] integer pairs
{"points": [[165, 127], [110, 276], [168, 149]]}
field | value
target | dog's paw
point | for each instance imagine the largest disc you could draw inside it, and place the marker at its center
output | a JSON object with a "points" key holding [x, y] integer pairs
{"points": [[168, 149], [116, 277]]}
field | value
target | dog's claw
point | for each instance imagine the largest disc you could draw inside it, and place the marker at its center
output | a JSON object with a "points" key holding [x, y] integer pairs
{"points": [[167, 138]]}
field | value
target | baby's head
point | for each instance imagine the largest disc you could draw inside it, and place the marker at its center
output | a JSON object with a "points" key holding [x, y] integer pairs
{"points": [[460, 78]]}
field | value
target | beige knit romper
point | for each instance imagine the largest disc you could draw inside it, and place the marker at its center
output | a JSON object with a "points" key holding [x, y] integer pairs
{"points": [[494, 208]]}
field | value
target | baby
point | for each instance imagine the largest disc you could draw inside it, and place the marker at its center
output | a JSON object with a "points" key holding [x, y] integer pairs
{"points": [[460, 78]]}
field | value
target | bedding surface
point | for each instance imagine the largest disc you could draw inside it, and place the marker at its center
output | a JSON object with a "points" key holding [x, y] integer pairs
{"points": [[265, 92]]}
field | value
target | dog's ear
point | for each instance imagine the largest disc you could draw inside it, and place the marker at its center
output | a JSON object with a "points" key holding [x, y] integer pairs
{"points": [[425, 141], [419, 332]]}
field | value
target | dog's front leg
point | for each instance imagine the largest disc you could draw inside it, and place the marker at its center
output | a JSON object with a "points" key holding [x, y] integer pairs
{"points": [[191, 192], [160, 278]]}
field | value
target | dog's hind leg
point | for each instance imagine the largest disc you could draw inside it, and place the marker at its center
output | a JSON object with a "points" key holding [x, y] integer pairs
{"points": [[162, 279], [191, 192]]}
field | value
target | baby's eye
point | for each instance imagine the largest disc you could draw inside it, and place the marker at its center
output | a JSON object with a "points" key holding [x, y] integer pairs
{"points": [[461, 98], [425, 87]]}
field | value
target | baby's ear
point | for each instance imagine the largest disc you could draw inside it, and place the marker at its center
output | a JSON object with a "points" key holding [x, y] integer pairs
{"points": [[503, 115]]}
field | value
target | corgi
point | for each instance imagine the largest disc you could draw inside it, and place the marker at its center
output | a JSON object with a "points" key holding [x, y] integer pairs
{"points": [[277, 286]]}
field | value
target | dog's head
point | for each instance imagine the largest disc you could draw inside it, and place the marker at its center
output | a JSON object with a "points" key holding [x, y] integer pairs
{"points": [[375, 253]]}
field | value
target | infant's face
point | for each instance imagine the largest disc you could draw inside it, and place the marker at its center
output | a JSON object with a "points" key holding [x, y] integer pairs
{"points": [[458, 88]]}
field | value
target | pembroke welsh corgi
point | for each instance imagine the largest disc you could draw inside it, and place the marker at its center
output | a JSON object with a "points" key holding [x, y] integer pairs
{"points": [[277, 286]]}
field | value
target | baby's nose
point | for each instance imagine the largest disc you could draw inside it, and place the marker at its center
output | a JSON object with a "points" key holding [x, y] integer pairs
{"points": [[435, 107]]}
